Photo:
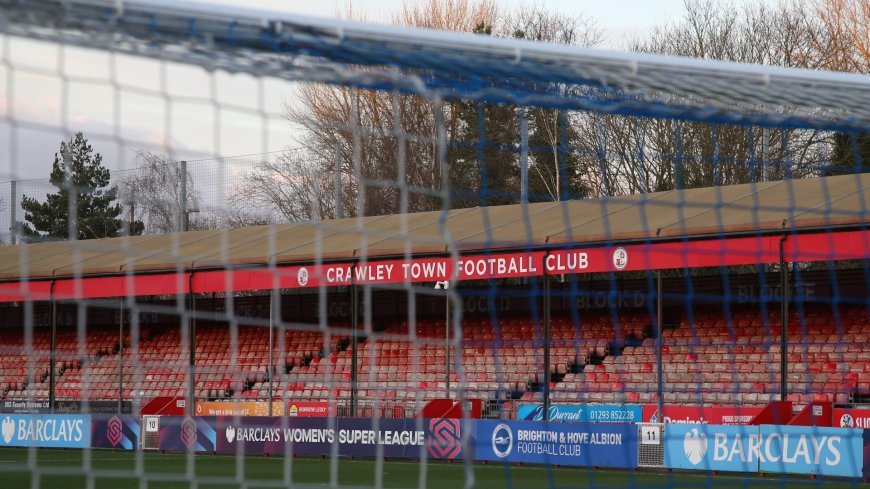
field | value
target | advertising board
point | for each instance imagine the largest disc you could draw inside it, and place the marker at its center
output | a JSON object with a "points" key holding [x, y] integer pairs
{"points": [[310, 408], [115, 431], [576, 444], [582, 413], [852, 418], [766, 448], [45, 430], [186, 433], [811, 450], [711, 447], [394, 438], [700, 414], [238, 408]]}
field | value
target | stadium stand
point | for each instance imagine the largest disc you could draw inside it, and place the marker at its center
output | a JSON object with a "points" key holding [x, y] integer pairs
{"points": [[713, 360]]}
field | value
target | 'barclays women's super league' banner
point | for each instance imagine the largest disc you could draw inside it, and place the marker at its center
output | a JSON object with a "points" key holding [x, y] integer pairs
{"points": [[582, 413], [119, 431], [538, 442], [362, 437]]}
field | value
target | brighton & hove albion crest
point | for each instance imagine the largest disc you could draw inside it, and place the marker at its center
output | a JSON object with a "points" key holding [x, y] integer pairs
{"points": [[620, 258], [502, 440], [695, 446]]}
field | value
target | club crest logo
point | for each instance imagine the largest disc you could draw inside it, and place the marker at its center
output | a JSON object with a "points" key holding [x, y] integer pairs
{"points": [[230, 434], [302, 277], [115, 431], [188, 433], [8, 429], [445, 438], [620, 258], [502, 440], [293, 411], [695, 446], [846, 421]]}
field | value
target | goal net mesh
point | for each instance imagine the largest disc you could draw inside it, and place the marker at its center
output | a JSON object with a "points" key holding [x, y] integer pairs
{"points": [[327, 230]]}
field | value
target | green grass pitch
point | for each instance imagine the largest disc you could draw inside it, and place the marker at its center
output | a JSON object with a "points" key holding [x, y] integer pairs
{"points": [[69, 469]]}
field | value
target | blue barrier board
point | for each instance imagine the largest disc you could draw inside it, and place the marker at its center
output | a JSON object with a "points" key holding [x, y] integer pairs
{"points": [[45, 430], [576, 444]]}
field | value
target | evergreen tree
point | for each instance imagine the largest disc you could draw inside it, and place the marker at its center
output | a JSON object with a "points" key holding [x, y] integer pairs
{"points": [[76, 165], [844, 159]]}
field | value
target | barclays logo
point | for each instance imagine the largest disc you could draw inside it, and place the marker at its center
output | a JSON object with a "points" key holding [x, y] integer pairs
{"points": [[695, 446]]}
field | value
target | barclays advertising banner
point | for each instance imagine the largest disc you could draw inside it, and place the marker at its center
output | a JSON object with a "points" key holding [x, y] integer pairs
{"points": [[583, 413], [118, 431], [45, 430], [787, 449], [577, 444], [711, 447], [811, 450]]}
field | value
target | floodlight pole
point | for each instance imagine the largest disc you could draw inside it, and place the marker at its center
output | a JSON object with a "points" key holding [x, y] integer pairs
{"points": [[354, 324], [546, 413], [52, 358], [783, 322], [185, 214], [121, 357], [660, 350], [272, 304], [438, 286]]}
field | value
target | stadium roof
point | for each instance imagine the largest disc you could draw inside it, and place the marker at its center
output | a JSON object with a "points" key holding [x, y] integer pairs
{"points": [[838, 202]]}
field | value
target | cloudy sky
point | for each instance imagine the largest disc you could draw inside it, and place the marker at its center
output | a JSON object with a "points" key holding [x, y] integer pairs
{"points": [[126, 104]]}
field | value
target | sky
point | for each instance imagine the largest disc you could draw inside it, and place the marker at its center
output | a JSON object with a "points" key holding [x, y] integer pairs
{"points": [[165, 105], [126, 104]]}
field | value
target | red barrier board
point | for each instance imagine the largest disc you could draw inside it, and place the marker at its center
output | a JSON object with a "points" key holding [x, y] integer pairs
{"points": [[699, 414], [852, 418]]}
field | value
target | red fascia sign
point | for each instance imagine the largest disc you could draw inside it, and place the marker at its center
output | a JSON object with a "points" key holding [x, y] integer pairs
{"points": [[653, 256], [852, 418], [700, 414]]}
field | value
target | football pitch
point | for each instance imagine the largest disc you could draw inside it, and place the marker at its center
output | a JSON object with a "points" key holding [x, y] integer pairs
{"points": [[69, 469]]}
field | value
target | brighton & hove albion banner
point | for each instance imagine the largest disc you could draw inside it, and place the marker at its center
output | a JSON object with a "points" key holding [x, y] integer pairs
{"points": [[45, 430], [575, 444]]}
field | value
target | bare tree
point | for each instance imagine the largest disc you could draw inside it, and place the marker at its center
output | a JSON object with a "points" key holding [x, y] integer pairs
{"points": [[385, 146], [156, 192]]}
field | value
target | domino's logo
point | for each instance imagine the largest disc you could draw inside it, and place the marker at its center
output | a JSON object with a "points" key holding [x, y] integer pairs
{"points": [[502, 440]]}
